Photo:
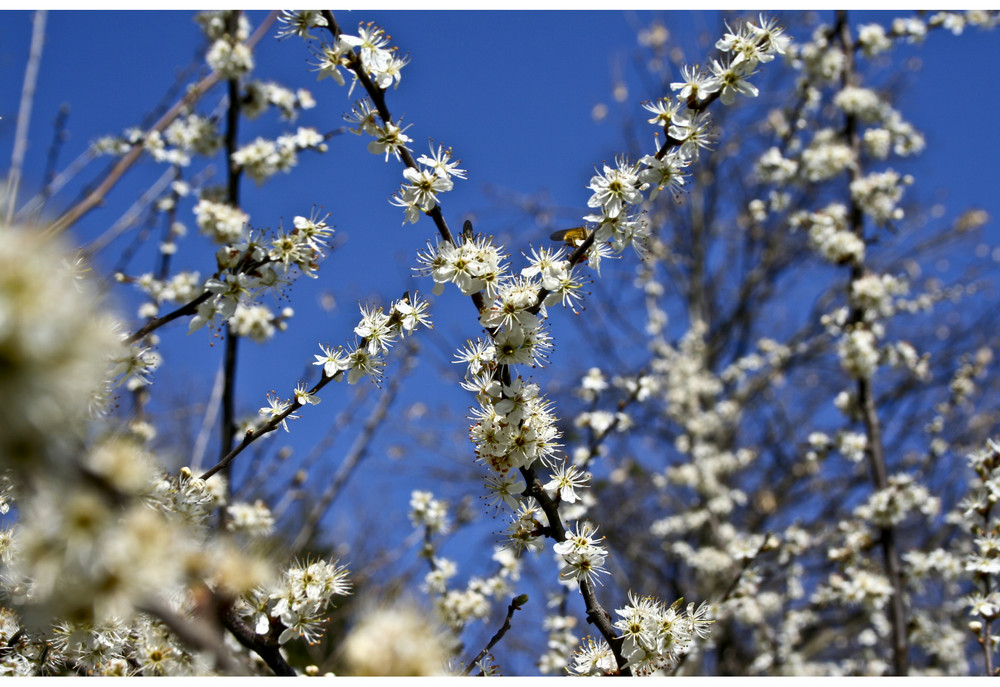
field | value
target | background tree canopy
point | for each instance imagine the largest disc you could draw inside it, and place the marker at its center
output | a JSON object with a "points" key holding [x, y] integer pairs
{"points": [[415, 343]]}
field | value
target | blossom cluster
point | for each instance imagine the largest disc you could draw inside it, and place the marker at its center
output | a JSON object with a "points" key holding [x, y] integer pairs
{"points": [[562, 641], [514, 425], [112, 648], [829, 235], [581, 553], [187, 135], [369, 53], [264, 158], [56, 346], [979, 517], [428, 512], [298, 602], [397, 640], [249, 263], [524, 532], [902, 496], [858, 585], [431, 178], [687, 128], [215, 24], [255, 520], [228, 55], [262, 94], [378, 331], [374, 56], [655, 636], [219, 221]]}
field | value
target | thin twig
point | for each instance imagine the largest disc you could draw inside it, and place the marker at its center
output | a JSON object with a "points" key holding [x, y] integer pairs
{"points": [[272, 424], [356, 454], [207, 422], [59, 136], [189, 308], [192, 96], [515, 604], [130, 216], [35, 204], [24, 111], [291, 493], [228, 401], [268, 427]]}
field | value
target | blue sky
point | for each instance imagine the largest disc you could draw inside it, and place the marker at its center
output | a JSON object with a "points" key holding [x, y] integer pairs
{"points": [[513, 93]]}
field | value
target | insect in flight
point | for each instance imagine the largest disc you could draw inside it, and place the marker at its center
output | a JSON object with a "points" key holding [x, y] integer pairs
{"points": [[572, 237]]}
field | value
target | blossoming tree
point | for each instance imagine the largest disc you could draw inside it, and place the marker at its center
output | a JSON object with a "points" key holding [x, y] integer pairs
{"points": [[767, 477]]}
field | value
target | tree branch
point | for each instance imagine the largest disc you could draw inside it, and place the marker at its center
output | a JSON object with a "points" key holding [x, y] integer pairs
{"points": [[354, 456], [199, 635], [515, 604], [866, 396], [193, 95], [269, 652]]}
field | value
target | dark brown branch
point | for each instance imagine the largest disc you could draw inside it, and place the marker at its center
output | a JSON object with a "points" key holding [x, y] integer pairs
{"points": [[189, 308], [866, 396], [269, 651], [515, 604], [596, 615], [378, 99], [268, 427], [356, 454], [272, 424], [233, 174]]}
